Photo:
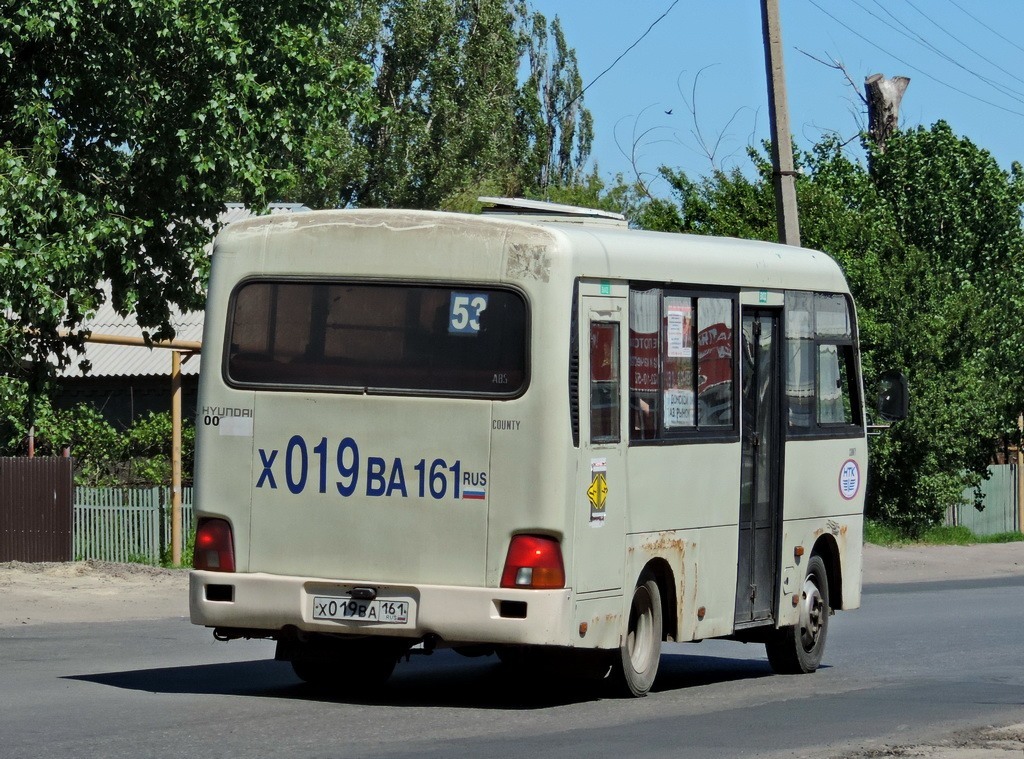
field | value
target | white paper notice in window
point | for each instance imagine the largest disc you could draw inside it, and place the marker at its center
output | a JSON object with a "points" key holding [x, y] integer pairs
{"points": [[679, 321], [679, 408]]}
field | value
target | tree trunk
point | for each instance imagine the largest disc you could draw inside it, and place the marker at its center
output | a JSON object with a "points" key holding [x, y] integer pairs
{"points": [[884, 96]]}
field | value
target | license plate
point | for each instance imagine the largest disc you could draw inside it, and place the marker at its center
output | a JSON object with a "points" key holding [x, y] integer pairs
{"points": [[393, 611]]}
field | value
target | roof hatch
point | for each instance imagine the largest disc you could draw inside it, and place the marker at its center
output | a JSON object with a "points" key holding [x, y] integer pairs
{"points": [[543, 211]]}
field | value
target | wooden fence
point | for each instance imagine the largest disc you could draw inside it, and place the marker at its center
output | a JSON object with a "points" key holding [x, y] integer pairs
{"points": [[121, 524], [35, 509]]}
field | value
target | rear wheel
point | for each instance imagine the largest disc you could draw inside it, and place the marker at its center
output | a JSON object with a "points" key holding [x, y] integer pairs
{"points": [[798, 649], [346, 667], [640, 653]]}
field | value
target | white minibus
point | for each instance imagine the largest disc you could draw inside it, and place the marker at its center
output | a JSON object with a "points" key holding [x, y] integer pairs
{"points": [[533, 430]]}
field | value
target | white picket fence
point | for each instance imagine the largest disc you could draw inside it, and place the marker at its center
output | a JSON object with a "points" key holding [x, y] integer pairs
{"points": [[126, 525]]}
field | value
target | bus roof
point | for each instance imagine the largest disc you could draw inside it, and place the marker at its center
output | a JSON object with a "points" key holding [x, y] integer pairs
{"points": [[591, 250]]}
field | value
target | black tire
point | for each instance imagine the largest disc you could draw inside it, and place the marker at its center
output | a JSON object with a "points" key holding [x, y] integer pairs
{"points": [[636, 666], [351, 668], [798, 649]]}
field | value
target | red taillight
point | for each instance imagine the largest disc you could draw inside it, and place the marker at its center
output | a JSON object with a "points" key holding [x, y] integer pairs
{"points": [[215, 549], [533, 562]]}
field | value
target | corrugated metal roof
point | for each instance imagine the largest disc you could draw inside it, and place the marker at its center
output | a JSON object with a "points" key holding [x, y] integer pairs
{"points": [[127, 360], [132, 361]]}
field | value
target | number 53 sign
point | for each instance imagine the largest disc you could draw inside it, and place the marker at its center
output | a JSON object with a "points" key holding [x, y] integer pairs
{"points": [[464, 316]]}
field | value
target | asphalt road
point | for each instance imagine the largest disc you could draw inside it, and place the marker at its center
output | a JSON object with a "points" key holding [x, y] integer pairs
{"points": [[919, 660]]}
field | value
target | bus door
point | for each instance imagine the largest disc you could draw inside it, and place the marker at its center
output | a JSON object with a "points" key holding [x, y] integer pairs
{"points": [[759, 516], [601, 490]]}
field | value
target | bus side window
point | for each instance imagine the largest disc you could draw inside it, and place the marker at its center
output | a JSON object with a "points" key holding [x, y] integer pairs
{"points": [[821, 364], [604, 382], [838, 399], [644, 363], [833, 387]]}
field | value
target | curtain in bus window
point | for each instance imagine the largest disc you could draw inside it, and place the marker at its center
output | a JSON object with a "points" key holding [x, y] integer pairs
{"points": [[678, 396], [714, 362], [378, 337], [831, 317], [832, 327], [644, 364], [800, 359], [834, 405]]}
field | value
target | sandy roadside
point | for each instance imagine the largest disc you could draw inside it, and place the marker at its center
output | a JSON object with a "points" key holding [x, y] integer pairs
{"points": [[89, 591]]}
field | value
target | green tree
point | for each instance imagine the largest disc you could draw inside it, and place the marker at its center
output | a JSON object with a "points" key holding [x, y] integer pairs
{"points": [[104, 455], [959, 215], [460, 117], [125, 124], [560, 129]]}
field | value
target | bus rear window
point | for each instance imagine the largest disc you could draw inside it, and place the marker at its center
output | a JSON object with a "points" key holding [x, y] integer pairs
{"points": [[369, 337]]}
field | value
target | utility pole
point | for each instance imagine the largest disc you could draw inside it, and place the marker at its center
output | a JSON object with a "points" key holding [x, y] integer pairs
{"points": [[176, 458], [783, 173], [181, 351], [1020, 473]]}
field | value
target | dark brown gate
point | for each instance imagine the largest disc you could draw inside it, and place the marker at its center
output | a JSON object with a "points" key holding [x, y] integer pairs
{"points": [[35, 509]]}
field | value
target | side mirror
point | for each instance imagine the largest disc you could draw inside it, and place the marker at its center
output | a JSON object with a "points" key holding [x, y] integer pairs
{"points": [[893, 396]]}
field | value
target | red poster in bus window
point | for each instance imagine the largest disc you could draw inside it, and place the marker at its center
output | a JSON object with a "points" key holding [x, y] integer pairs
{"points": [[604, 352], [714, 356], [643, 360]]}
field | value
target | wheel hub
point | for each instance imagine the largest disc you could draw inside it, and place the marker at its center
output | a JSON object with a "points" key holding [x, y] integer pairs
{"points": [[812, 614]]}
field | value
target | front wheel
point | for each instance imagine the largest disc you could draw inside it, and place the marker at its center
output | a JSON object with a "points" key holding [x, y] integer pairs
{"points": [[798, 649], [636, 666]]}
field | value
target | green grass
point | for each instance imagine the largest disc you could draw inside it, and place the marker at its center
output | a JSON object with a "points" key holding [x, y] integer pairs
{"points": [[187, 552], [882, 534]]}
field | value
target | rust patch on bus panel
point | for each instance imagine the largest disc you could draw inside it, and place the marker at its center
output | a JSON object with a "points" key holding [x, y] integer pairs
{"points": [[695, 593], [528, 261], [665, 542], [597, 626], [680, 604]]}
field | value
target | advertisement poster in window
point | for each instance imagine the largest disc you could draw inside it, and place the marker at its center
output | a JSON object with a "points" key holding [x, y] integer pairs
{"points": [[679, 325], [644, 317]]}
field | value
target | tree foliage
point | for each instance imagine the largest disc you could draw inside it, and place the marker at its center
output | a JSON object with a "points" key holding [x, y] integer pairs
{"points": [[124, 126], [931, 242], [460, 116], [104, 455], [959, 215], [559, 128]]}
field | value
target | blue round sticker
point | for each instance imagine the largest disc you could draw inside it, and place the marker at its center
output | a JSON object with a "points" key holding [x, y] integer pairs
{"points": [[849, 479]]}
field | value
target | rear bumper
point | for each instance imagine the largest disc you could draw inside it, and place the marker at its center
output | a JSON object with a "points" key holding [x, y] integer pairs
{"points": [[458, 615]]}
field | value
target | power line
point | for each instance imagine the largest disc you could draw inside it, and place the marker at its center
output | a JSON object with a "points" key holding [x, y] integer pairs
{"points": [[917, 38], [956, 39], [982, 23], [911, 66], [621, 56]]}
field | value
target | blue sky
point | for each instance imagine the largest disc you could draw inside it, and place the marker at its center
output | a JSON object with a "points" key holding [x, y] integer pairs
{"points": [[965, 59]]}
